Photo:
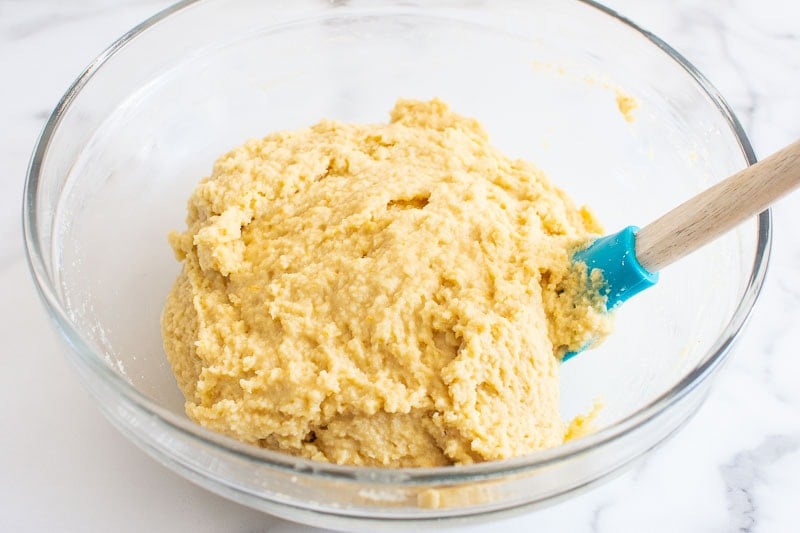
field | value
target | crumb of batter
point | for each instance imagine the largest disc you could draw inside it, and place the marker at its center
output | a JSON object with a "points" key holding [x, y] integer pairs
{"points": [[583, 425], [626, 105], [387, 294]]}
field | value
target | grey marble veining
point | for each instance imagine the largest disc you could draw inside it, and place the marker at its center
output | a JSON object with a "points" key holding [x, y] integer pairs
{"points": [[746, 471], [735, 467]]}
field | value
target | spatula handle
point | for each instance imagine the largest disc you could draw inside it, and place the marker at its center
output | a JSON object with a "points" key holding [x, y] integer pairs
{"points": [[718, 209]]}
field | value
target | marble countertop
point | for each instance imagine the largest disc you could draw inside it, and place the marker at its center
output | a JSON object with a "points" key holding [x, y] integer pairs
{"points": [[735, 467]]}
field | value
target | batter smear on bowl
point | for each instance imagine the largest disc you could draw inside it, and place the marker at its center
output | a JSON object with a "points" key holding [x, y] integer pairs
{"points": [[387, 294]]}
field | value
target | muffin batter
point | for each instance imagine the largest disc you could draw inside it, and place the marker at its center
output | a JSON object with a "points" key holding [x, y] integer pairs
{"points": [[389, 294]]}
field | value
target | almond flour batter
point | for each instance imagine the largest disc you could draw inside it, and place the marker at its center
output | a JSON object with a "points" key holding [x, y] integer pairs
{"points": [[388, 294]]}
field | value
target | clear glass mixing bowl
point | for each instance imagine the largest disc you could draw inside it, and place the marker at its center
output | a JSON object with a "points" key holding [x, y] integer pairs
{"points": [[125, 147]]}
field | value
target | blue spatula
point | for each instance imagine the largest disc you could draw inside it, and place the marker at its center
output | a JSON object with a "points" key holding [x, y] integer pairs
{"points": [[631, 259]]}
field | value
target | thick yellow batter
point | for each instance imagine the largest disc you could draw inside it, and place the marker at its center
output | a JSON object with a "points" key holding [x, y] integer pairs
{"points": [[388, 294]]}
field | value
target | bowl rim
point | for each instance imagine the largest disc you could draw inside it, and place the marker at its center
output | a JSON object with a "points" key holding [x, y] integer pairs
{"points": [[712, 360]]}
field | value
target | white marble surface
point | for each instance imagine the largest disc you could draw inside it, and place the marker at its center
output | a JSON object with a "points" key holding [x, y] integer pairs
{"points": [[735, 467]]}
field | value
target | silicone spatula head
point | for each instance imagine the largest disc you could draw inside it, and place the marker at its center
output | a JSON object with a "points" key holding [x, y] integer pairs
{"points": [[623, 276], [615, 256]]}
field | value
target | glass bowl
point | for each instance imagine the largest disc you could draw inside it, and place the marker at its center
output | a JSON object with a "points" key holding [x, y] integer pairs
{"points": [[550, 80]]}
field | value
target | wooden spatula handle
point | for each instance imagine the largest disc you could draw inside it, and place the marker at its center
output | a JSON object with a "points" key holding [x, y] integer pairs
{"points": [[718, 209]]}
